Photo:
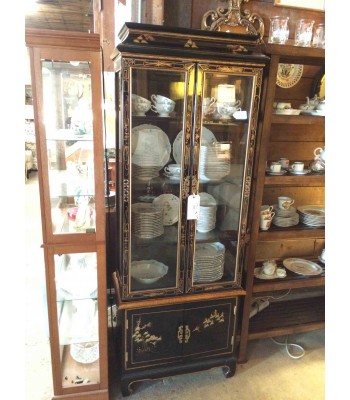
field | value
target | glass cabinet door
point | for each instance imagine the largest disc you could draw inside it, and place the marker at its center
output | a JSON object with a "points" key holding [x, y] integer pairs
{"points": [[77, 318], [226, 119], [68, 127], [155, 103]]}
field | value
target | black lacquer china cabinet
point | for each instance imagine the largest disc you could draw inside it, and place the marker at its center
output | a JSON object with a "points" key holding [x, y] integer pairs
{"points": [[187, 105]]}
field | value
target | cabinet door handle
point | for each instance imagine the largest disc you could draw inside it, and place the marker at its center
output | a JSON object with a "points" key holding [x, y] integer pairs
{"points": [[180, 334]]}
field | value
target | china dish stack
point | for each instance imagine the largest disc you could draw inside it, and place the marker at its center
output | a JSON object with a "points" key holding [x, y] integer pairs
{"points": [[285, 218], [144, 173], [207, 213], [312, 215], [147, 220], [209, 262], [214, 161]]}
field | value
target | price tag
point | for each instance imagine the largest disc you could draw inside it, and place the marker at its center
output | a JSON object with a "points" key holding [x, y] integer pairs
{"points": [[240, 115], [193, 202]]}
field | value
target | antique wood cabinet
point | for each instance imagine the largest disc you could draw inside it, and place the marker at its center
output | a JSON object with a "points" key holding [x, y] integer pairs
{"points": [[299, 298], [66, 76], [187, 105]]}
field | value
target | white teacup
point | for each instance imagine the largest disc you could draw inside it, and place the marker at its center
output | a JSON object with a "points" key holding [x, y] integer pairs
{"points": [[285, 202], [162, 105], [266, 209], [226, 110], [298, 166], [269, 267], [140, 105], [283, 106], [275, 166], [208, 105], [323, 255], [284, 162], [173, 169], [281, 272], [265, 221]]}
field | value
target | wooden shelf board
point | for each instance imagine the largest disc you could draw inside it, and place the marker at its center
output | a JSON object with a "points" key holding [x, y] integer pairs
{"points": [[298, 119], [291, 282], [287, 317], [288, 180], [294, 232]]}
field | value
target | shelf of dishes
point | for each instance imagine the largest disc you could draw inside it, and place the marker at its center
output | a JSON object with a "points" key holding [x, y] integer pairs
{"points": [[299, 231], [308, 179]]}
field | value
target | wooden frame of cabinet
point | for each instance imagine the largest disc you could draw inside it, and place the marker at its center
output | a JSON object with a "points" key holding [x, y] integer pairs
{"points": [[305, 242], [62, 246]]}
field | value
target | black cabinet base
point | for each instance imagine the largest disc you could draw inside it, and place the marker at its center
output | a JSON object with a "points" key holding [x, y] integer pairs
{"points": [[227, 363]]}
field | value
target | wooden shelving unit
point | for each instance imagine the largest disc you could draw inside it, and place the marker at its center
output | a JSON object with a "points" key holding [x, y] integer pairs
{"points": [[294, 137]]}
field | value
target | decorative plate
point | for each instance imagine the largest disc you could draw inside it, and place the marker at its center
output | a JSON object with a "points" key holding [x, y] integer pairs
{"points": [[150, 146], [207, 138], [170, 205], [302, 267], [317, 211], [289, 75]]}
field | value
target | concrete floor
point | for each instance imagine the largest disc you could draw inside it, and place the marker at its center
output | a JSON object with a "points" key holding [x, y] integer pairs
{"points": [[269, 374]]}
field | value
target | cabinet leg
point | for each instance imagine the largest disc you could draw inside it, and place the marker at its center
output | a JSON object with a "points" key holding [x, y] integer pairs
{"points": [[125, 388], [229, 370]]}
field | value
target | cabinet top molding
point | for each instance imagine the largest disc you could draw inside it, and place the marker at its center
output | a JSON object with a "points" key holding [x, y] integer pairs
{"points": [[231, 19], [173, 41]]}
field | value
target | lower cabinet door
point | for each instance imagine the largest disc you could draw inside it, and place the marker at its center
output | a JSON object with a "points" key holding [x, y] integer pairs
{"points": [[152, 336], [174, 334], [209, 328]]}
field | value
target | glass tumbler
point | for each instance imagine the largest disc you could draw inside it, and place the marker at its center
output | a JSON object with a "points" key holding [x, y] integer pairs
{"points": [[303, 32], [319, 37], [279, 30]]}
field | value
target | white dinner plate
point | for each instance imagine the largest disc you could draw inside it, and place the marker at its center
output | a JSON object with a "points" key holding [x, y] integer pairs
{"points": [[302, 267], [150, 146], [170, 205], [207, 138]]}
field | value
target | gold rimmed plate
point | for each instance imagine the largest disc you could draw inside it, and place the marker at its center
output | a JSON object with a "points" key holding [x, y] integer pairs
{"points": [[302, 267]]}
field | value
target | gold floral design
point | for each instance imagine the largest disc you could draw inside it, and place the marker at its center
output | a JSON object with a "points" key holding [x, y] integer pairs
{"points": [[145, 341], [215, 317]]}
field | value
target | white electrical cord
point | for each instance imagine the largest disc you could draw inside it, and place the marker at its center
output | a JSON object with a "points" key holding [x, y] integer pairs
{"points": [[287, 345]]}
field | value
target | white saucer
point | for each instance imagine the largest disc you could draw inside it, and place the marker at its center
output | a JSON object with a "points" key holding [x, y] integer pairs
{"points": [[276, 173], [306, 171], [260, 275]]}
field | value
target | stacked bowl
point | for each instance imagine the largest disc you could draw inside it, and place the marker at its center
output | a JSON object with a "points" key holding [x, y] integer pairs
{"points": [[147, 220]]}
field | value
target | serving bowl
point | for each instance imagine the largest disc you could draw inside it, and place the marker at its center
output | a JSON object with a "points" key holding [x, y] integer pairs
{"points": [[148, 271]]}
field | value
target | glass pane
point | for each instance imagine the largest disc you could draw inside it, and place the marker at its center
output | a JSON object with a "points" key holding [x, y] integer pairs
{"points": [[69, 141], [226, 123], [72, 15], [157, 102], [77, 313]]}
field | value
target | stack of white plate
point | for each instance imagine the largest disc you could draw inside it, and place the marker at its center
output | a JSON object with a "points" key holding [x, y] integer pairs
{"points": [[285, 218], [214, 161], [207, 213], [144, 173], [147, 220], [312, 215], [209, 262]]}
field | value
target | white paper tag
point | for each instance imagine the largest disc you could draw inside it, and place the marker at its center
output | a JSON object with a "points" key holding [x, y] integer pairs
{"points": [[193, 202], [240, 115]]}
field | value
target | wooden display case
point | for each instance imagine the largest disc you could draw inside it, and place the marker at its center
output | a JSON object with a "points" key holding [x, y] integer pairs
{"points": [[169, 262], [294, 137], [66, 78]]}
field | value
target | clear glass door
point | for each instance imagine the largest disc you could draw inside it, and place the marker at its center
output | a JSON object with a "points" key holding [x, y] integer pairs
{"points": [[67, 107], [157, 99], [226, 117], [77, 317]]}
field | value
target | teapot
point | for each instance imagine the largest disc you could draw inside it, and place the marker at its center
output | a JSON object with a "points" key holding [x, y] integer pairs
{"points": [[310, 104], [320, 154], [321, 105]]}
